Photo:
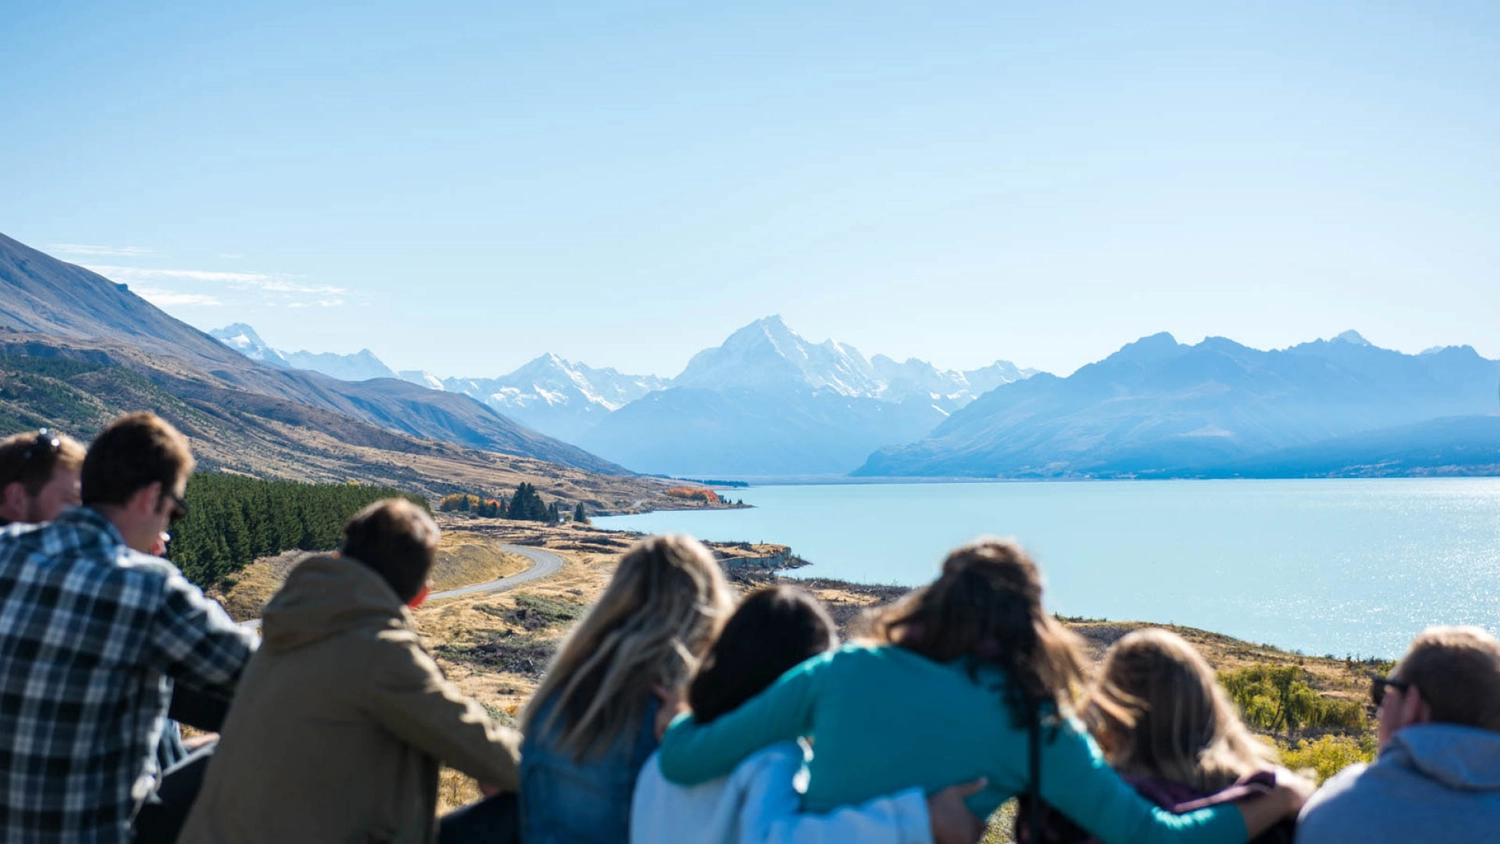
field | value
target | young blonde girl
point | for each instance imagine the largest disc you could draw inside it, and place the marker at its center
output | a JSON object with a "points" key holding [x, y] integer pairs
{"points": [[589, 727], [1159, 713], [963, 670], [1167, 726]]}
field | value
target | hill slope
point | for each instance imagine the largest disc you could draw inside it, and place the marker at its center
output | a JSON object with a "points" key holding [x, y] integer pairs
{"points": [[77, 386], [40, 295]]}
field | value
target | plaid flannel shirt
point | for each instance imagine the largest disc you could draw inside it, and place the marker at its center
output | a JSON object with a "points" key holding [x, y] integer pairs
{"points": [[91, 635]]}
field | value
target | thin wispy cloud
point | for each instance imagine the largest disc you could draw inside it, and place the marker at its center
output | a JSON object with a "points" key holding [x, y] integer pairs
{"points": [[90, 249], [281, 287], [286, 287], [129, 274], [168, 298]]}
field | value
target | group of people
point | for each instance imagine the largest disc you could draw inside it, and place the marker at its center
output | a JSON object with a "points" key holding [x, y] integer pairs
{"points": [[671, 712]]}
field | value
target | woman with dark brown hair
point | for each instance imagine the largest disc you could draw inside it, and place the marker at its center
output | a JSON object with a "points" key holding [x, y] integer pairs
{"points": [[962, 675]]}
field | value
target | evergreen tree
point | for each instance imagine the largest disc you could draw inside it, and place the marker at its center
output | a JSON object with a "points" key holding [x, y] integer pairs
{"points": [[233, 520], [553, 516], [579, 516]]}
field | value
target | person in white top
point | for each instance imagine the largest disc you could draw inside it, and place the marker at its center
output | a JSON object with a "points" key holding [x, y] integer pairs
{"points": [[773, 630]]}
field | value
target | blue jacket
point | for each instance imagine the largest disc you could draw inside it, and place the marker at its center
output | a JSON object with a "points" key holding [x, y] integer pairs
{"points": [[1432, 782], [567, 801]]}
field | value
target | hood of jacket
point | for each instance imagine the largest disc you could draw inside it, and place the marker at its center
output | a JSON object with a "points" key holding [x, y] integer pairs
{"points": [[1461, 758], [328, 595]]}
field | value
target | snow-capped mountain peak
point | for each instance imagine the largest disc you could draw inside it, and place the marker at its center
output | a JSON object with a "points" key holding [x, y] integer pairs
{"points": [[766, 354], [557, 396], [243, 339], [360, 366]]}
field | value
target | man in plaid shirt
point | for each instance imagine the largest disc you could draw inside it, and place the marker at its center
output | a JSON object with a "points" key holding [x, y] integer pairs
{"points": [[93, 630]]}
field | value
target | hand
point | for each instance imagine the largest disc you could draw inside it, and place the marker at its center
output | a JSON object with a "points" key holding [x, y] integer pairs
{"points": [[1294, 789], [672, 705], [952, 822], [194, 742]]}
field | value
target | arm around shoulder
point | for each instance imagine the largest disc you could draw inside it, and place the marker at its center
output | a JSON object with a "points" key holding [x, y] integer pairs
{"points": [[1078, 781], [693, 753]]}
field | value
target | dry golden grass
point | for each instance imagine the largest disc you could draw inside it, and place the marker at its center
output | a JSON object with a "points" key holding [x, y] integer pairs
{"points": [[464, 557], [252, 586]]}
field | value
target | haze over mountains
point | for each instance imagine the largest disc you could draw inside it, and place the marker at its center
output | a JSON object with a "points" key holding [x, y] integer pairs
{"points": [[769, 403], [765, 402], [1159, 408]]}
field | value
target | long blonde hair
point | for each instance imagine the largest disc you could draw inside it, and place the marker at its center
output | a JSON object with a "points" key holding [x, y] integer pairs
{"points": [[1159, 712], [986, 607], [654, 622]]}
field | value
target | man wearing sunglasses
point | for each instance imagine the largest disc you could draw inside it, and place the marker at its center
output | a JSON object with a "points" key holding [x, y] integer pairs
{"points": [[93, 632], [1438, 774], [38, 476]]}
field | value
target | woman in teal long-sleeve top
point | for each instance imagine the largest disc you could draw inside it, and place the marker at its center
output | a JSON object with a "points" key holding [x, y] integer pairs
{"points": [[946, 699]]}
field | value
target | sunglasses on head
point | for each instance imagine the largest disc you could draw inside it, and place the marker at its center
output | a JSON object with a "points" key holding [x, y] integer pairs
{"points": [[1378, 685], [45, 442]]}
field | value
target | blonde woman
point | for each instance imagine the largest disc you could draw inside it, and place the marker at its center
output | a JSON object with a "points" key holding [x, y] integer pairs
{"points": [[589, 727], [1165, 724]]}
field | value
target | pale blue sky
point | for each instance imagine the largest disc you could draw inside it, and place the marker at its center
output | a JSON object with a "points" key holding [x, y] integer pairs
{"points": [[460, 187]]}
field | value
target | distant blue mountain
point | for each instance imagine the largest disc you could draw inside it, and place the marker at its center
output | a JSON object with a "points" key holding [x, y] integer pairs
{"points": [[739, 431], [1159, 408]]}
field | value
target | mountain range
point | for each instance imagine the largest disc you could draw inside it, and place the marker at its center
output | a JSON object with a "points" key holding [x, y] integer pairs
{"points": [[1159, 408], [766, 401], [76, 347]]}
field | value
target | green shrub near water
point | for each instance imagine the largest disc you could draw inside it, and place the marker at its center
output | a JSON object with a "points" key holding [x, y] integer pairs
{"points": [[232, 520], [1327, 755]]}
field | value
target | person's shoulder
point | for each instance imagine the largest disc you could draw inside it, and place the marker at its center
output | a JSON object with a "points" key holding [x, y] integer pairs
{"points": [[148, 566], [1334, 803]]}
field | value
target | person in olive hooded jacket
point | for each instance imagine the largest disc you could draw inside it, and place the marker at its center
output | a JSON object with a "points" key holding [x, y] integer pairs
{"points": [[341, 719]]}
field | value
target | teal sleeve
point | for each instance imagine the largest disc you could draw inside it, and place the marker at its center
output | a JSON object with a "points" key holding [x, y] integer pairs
{"points": [[693, 753], [1077, 781]]}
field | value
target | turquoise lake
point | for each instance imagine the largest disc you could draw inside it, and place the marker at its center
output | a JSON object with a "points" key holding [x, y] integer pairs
{"points": [[1342, 567]]}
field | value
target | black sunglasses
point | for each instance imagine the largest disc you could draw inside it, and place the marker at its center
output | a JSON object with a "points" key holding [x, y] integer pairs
{"points": [[1378, 684], [45, 442], [179, 508]]}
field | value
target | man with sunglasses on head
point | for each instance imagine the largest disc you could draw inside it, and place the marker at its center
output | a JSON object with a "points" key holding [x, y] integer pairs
{"points": [[93, 632], [1438, 774], [38, 476]]}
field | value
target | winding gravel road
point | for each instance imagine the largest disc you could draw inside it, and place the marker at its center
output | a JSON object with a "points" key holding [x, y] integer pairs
{"points": [[544, 564]]}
